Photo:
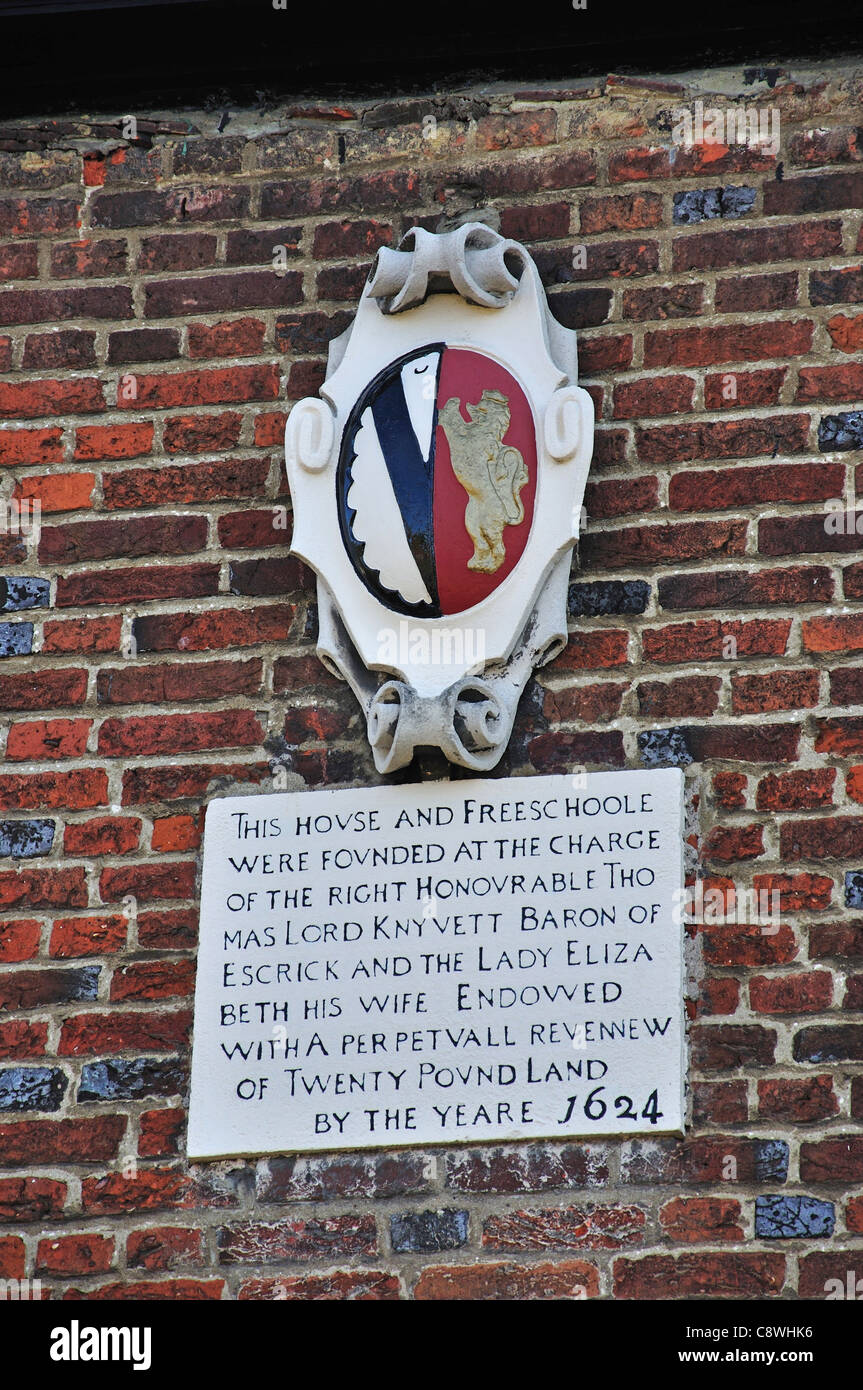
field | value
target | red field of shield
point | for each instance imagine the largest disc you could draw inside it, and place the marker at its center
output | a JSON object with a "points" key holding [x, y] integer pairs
{"points": [[465, 375]]}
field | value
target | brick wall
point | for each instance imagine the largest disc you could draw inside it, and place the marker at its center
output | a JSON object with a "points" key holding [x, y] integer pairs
{"points": [[158, 647]]}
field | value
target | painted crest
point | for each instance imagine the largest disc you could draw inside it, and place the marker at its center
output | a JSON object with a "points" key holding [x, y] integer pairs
{"points": [[437, 489]]}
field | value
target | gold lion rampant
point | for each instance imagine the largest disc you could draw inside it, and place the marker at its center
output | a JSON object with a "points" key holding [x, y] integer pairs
{"points": [[492, 473]]}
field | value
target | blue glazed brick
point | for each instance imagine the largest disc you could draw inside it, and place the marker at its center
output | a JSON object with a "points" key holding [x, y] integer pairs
{"points": [[783, 1218], [608, 596], [771, 1160], [25, 839], [664, 748], [23, 592], [704, 204], [854, 888], [32, 1088], [132, 1079], [840, 432], [426, 1231], [16, 639]]}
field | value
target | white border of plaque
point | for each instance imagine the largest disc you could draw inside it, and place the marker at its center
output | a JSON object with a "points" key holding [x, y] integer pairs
{"points": [[444, 962]]}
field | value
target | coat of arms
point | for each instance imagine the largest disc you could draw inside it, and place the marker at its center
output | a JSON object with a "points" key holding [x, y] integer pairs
{"points": [[437, 488]]}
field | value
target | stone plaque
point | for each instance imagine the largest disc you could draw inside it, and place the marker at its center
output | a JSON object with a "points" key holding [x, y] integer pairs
{"points": [[425, 964]]}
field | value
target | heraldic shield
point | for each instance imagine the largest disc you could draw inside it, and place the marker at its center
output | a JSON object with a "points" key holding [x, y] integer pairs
{"points": [[437, 489]]}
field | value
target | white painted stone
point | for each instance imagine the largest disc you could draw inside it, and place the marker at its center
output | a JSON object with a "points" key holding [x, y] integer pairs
{"points": [[394, 966]]}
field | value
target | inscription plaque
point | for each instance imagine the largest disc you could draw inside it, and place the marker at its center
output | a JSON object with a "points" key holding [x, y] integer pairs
{"points": [[433, 963]]}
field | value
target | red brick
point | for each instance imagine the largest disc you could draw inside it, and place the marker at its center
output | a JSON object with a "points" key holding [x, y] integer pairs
{"points": [[43, 888], [231, 338], [852, 581], [71, 302], [82, 635], [87, 258], [658, 395], [741, 588], [725, 488], [70, 348], [719, 1102], [190, 251], [726, 843], [43, 690], [853, 1001], [19, 940], [247, 247], [94, 1034], [730, 439], [839, 383], [801, 993], [661, 302], [838, 145], [30, 1199], [695, 1220], [776, 690], [797, 1100], [691, 695], [47, 738], [587, 702], [178, 682], [747, 943], [31, 446], [58, 492], [648, 545], [143, 345], [595, 648], [173, 880], [173, 1290], [73, 395], [113, 441], [37, 216], [840, 939], [253, 528], [153, 980], [839, 837], [160, 1133], [83, 1254], [163, 1247], [140, 584], [729, 788], [184, 483], [606, 352], [20, 1038], [88, 936], [737, 1275], [148, 207], [816, 194], [61, 1141], [356, 1284], [229, 627], [346, 240], [707, 640], [854, 1215], [538, 223], [13, 1258], [19, 262], [817, 1270], [726, 1046], [333, 1236], [745, 294], [131, 537], [626, 166], [826, 634], [795, 535], [143, 785], [269, 428], [216, 386], [103, 835], [846, 333], [565, 1228], [153, 1190], [838, 1160], [741, 342], [805, 790], [797, 892], [562, 1279], [179, 733], [748, 246], [197, 434]]}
